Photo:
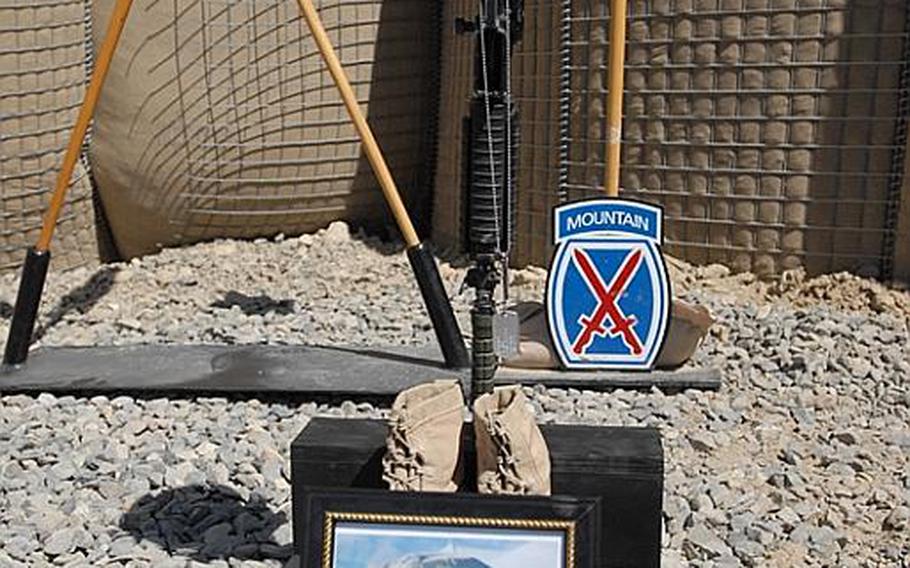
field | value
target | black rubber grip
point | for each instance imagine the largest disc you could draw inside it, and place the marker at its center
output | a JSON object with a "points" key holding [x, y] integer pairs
{"points": [[483, 369], [437, 302], [31, 286]]}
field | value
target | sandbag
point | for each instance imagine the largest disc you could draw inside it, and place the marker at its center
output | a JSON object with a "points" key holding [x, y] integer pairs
{"points": [[218, 119], [689, 324], [42, 79]]}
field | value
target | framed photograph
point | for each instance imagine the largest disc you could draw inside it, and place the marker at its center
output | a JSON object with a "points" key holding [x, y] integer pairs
{"points": [[384, 529]]}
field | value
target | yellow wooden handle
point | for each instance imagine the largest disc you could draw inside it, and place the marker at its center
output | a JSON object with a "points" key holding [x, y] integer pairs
{"points": [[614, 94], [77, 135], [370, 147]]}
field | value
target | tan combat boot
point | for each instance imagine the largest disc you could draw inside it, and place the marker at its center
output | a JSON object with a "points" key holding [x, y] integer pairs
{"points": [[423, 447], [512, 456]]}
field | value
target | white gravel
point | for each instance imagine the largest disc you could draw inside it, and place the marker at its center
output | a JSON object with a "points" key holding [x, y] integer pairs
{"points": [[803, 457]]}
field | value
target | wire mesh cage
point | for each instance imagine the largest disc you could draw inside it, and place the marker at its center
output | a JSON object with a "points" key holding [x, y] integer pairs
{"points": [[772, 132], [43, 71], [766, 129]]}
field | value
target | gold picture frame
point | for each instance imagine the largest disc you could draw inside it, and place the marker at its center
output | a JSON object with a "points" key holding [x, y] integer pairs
{"points": [[354, 528], [331, 518]]}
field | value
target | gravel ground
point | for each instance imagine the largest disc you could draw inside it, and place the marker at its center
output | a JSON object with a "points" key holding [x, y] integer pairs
{"points": [[803, 458]]}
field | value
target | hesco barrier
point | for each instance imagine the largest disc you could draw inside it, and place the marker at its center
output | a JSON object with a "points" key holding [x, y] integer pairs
{"points": [[772, 131], [218, 118], [42, 78]]}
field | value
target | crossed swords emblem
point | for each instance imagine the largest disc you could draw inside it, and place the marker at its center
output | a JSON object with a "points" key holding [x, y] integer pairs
{"points": [[606, 303]]}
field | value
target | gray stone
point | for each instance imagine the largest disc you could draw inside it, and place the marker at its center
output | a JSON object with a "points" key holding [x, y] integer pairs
{"points": [[677, 508], [846, 437], [122, 546], [701, 441], [245, 550], [899, 439], [20, 547], [172, 562], [282, 535], [219, 539], [821, 537], [898, 519], [9, 562], [804, 416], [275, 551], [182, 474], [705, 540], [73, 560], [727, 561], [61, 542], [672, 559]]}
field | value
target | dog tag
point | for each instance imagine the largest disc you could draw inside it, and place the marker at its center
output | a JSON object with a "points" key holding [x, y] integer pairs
{"points": [[505, 334]]}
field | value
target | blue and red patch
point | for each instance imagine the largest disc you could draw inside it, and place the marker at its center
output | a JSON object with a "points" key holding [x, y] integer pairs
{"points": [[608, 296]]}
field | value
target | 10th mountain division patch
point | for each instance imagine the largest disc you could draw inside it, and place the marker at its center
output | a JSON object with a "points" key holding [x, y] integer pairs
{"points": [[608, 295]]}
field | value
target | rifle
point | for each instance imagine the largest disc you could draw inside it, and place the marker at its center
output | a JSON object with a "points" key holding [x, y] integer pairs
{"points": [[490, 156]]}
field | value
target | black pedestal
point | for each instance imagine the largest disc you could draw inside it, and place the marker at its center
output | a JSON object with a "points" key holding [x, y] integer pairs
{"points": [[622, 466]]}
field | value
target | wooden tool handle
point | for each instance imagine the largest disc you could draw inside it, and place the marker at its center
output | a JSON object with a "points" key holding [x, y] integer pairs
{"points": [[370, 147], [614, 94], [77, 135]]}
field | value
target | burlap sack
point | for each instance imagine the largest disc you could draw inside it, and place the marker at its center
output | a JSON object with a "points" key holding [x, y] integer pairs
{"points": [[689, 324], [42, 77], [218, 119]]}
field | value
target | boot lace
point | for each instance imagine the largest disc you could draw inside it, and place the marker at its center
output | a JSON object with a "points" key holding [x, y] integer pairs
{"points": [[402, 465], [506, 478]]}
